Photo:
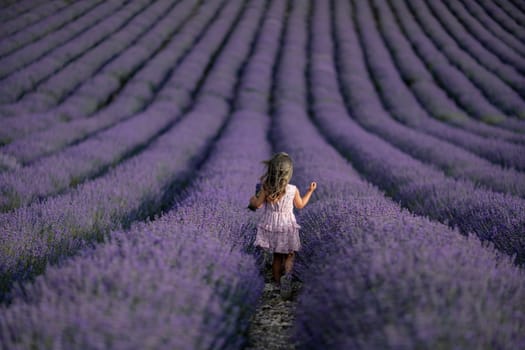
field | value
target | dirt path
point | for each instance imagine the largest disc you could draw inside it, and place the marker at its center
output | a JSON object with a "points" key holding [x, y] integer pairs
{"points": [[272, 322]]}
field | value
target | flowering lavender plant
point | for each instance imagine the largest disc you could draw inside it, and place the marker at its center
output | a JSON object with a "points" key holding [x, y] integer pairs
{"points": [[127, 193]]}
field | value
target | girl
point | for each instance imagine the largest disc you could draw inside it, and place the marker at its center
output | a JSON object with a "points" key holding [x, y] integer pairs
{"points": [[278, 230]]}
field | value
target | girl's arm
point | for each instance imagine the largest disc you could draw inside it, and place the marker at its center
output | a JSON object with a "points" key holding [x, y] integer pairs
{"points": [[258, 200], [301, 202]]}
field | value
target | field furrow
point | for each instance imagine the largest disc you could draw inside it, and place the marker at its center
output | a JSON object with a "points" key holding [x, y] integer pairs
{"points": [[13, 9], [132, 135], [113, 94], [361, 270], [454, 161], [37, 14], [489, 84], [451, 79], [78, 54], [427, 91], [32, 42], [473, 48], [134, 190], [508, 50], [84, 160], [511, 21], [421, 188], [223, 293]]}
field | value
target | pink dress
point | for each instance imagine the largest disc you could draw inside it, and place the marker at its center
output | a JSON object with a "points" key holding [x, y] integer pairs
{"points": [[278, 230]]}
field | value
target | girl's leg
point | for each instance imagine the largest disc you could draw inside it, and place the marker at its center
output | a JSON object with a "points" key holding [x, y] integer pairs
{"points": [[276, 267], [288, 262], [286, 280]]}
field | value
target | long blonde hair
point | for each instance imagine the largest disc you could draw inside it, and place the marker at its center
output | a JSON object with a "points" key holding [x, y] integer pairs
{"points": [[278, 174]]}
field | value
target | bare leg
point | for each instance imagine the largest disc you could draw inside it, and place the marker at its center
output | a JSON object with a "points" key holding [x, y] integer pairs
{"points": [[288, 262], [276, 267], [286, 280]]}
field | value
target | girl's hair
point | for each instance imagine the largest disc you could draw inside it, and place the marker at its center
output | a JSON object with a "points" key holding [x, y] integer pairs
{"points": [[277, 176]]}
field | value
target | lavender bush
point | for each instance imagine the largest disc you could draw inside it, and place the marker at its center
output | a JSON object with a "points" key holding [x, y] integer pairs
{"points": [[376, 276], [64, 82], [424, 87], [391, 280], [27, 35], [404, 106], [128, 192], [41, 233], [512, 10], [15, 85], [135, 95], [422, 189], [453, 160], [494, 19], [207, 301], [490, 84], [11, 10], [84, 160], [471, 46], [179, 281], [451, 79], [476, 21]]}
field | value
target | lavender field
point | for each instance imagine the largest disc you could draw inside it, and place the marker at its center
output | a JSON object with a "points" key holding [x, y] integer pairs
{"points": [[131, 138]]}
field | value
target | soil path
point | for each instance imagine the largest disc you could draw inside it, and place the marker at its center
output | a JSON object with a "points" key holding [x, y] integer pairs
{"points": [[271, 325]]}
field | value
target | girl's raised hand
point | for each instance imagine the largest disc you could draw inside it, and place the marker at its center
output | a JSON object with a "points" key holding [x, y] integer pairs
{"points": [[313, 186]]}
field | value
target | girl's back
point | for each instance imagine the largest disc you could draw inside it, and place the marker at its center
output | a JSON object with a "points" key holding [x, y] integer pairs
{"points": [[283, 204]]}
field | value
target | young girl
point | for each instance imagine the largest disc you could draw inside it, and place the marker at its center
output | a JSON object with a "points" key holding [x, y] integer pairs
{"points": [[278, 230]]}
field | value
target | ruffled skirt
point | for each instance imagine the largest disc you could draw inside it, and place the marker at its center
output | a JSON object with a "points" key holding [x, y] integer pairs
{"points": [[284, 240]]}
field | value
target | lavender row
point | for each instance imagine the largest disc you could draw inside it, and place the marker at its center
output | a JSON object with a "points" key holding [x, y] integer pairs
{"points": [[22, 58], [390, 169], [494, 27], [288, 85], [142, 87], [122, 50], [111, 61], [334, 311], [112, 76], [470, 15], [210, 222], [59, 226], [19, 57], [496, 91], [38, 14], [398, 99], [450, 78], [426, 90], [11, 10], [512, 24], [515, 5], [83, 161], [513, 10], [337, 307], [158, 289], [255, 85], [143, 278], [494, 217], [81, 96], [19, 42], [16, 85], [471, 46], [381, 279]]}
